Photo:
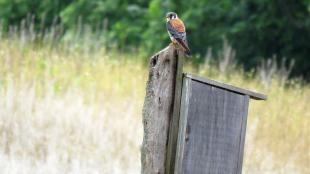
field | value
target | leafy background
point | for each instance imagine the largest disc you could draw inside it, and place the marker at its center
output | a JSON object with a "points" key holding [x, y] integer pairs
{"points": [[257, 29]]}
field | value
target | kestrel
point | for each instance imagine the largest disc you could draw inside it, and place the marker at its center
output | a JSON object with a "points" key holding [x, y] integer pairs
{"points": [[176, 31]]}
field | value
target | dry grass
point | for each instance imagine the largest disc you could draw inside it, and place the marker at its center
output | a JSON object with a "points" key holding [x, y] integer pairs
{"points": [[66, 113], [80, 112]]}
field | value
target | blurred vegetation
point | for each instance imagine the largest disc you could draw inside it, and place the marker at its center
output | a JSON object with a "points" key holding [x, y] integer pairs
{"points": [[70, 109], [257, 29]]}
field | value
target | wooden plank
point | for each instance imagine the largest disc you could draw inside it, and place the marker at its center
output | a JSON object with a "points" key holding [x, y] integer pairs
{"points": [[243, 132], [186, 93], [211, 130], [252, 94], [174, 123]]}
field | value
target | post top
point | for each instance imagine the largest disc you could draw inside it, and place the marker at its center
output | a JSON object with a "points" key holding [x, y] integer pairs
{"points": [[251, 94]]}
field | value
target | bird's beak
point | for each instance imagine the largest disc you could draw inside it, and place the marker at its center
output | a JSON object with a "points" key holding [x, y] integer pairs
{"points": [[167, 19]]}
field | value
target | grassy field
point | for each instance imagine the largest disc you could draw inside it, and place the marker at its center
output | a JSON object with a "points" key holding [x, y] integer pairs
{"points": [[76, 109]]}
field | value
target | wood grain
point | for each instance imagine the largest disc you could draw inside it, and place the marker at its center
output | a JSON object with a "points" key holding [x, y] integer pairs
{"points": [[158, 109], [212, 130]]}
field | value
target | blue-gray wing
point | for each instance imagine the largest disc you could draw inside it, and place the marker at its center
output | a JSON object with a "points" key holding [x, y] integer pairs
{"points": [[174, 33]]}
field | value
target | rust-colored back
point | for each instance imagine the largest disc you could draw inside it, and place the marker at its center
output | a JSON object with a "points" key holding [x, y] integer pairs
{"points": [[178, 25]]}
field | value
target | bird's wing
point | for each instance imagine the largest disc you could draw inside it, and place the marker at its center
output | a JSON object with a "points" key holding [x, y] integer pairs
{"points": [[176, 29]]}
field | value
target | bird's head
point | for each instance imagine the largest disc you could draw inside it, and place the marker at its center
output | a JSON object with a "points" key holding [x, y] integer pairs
{"points": [[171, 15]]}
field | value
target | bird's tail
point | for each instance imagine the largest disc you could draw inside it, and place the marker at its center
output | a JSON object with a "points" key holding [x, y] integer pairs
{"points": [[188, 53], [184, 45]]}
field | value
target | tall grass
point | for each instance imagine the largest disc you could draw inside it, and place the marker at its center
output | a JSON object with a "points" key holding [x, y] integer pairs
{"points": [[72, 106], [66, 113]]}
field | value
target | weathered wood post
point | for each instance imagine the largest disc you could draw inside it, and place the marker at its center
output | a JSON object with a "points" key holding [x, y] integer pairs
{"points": [[165, 73]]}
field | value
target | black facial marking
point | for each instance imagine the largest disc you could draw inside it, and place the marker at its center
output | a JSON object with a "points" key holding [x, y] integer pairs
{"points": [[171, 15]]}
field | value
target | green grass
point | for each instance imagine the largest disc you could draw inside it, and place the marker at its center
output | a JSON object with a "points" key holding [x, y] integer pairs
{"points": [[72, 109]]}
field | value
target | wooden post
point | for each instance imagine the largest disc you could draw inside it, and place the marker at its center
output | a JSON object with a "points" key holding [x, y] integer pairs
{"points": [[162, 100]]}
